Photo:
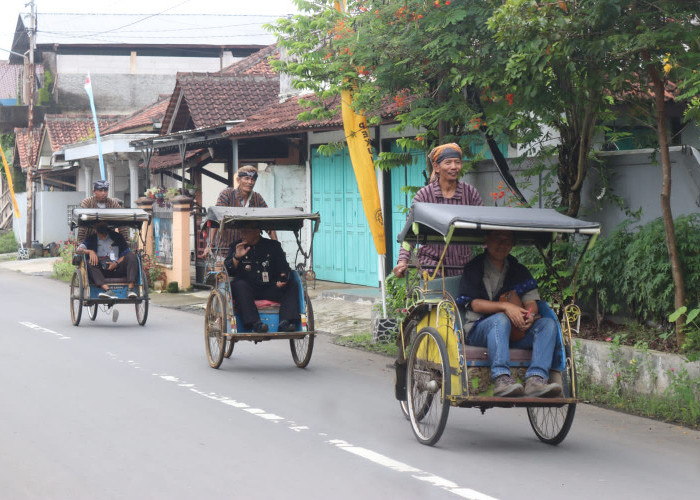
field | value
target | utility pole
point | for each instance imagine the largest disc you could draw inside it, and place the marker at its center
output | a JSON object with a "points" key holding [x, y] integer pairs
{"points": [[30, 123]]}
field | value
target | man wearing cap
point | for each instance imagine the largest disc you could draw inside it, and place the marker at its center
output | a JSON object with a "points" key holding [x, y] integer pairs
{"points": [[241, 196], [260, 271], [100, 189], [109, 256]]}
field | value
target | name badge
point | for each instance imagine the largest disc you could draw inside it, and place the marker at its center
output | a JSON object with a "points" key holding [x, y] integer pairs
{"points": [[265, 277]]}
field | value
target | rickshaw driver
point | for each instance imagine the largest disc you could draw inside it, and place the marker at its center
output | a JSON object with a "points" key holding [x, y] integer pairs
{"points": [[260, 271], [488, 321], [105, 261]]}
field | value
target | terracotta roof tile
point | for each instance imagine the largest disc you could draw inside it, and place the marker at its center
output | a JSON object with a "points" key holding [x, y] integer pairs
{"points": [[69, 129], [171, 160], [257, 63], [211, 99], [22, 146], [141, 121]]}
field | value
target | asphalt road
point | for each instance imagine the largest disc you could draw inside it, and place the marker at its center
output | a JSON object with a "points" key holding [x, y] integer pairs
{"points": [[113, 410]]}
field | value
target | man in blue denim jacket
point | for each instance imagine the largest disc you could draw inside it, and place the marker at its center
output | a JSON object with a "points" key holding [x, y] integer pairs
{"points": [[488, 319]]}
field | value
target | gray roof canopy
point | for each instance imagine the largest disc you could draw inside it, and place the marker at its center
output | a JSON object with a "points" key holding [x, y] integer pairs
{"points": [[435, 221], [268, 219], [129, 217]]}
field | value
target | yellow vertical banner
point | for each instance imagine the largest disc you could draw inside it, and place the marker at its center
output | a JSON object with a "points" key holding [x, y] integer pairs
{"points": [[9, 182], [360, 147]]}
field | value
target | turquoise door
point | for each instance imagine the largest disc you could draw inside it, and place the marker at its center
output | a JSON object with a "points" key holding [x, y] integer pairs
{"points": [[343, 247], [408, 175]]}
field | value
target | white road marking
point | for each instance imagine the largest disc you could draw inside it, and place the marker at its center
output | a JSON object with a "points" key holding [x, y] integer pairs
{"points": [[43, 330], [365, 453]]}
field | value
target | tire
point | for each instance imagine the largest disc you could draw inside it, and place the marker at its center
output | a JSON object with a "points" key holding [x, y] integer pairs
{"points": [[92, 311], [303, 347], [408, 333], [552, 424], [142, 305], [214, 325], [77, 295], [428, 383], [230, 344]]}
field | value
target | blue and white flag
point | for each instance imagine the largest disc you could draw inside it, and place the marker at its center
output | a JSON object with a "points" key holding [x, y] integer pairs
{"points": [[88, 89]]}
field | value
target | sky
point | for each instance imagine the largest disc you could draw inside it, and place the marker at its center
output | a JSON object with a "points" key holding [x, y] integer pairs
{"points": [[12, 8]]}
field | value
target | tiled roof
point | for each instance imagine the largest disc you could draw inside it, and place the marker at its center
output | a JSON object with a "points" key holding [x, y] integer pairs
{"points": [[141, 121], [255, 64], [65, 129], [171, 160], [282, 118], [11, 79], [22, 146], [211, 99]]}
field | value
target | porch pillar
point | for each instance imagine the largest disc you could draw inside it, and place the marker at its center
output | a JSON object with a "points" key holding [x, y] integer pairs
{"points": [[181, 242], [87, 176], [147, 227], [134, 181], [110, 179]]}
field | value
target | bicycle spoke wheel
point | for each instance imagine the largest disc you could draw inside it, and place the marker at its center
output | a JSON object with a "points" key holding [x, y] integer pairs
{"points": [[142, 304], [552, 424], [303, 347], [214, 325], [92, 311], [428, 385], [76, 297]]}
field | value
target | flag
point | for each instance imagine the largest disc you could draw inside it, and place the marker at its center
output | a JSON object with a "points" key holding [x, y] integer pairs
{"points": [[88, 89], [9, 182], [360, 147]]}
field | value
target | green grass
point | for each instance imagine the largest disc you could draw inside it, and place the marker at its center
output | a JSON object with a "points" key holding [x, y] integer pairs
{"points": [[364, 341], [8, 244]]}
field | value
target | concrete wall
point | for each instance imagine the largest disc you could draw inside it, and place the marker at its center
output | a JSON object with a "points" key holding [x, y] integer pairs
{"points": [[142, 65], [52, 215]]}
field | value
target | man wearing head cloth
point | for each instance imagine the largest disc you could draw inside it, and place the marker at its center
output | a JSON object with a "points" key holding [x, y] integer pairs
{"points": [[446, 188], [99, 199], [241, 196]]}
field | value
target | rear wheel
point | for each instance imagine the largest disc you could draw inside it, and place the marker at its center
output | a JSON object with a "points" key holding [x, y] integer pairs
{"points": [[92, 311], [214, 325], [552, 424], [142, 304], [77, 294], [230, 344], [428, 385], [303, 347]]}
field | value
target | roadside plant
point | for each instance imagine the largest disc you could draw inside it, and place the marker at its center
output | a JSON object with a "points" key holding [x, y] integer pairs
{"points": [[153, 271], [691, 346], [63, 268]]}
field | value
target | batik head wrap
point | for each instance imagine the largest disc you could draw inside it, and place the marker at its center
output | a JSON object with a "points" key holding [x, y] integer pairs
{"points": [[442, 153]]}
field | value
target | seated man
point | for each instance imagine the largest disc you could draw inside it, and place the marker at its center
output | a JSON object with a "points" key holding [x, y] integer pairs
{"points": [[488, 321], [109, 256], [260, 271]]}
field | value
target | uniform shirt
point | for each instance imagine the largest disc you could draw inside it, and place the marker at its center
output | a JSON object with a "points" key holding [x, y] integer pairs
{"points": [[263, 265], [234, 197], [114, 242], [456, 255]]}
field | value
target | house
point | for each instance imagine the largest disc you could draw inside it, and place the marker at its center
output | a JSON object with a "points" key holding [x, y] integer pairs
{"points": [[134, 58]]}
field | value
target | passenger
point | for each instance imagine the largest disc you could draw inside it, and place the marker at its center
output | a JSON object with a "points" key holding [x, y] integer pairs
{"points": [[488, 321], [99, 199], [260, 272], [444, 187], [109, 256], [241, 196]]}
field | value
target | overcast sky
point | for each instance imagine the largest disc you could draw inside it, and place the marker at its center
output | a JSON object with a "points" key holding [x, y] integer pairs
{"points": [[13, 8]]}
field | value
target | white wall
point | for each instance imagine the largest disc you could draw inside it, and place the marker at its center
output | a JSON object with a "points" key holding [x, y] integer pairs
{"points": [[145, 65], [52, 214]]}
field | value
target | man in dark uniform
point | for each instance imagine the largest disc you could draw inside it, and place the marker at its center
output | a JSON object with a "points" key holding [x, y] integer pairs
{"points": [[260, 271]]}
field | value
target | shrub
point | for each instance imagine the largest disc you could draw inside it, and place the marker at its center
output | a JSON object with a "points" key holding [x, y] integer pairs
{"points": [[153, 271], [63, 268], [8, 244], [173, 287]]}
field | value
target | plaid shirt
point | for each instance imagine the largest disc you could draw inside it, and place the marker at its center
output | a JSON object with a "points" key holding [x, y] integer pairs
{"points": [[233, 197], [456, 255], [91, 202]]}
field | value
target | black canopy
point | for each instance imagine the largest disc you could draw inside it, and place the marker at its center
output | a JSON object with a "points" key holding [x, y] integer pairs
{"points": [[268, 219], [118, 217], [438, 222]]}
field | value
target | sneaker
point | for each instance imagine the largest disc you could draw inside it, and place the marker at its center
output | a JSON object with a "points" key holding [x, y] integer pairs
{"points": [[132, 294], [506, 386], [260, 327], [286, 326], [537, 387], [107, 294]]}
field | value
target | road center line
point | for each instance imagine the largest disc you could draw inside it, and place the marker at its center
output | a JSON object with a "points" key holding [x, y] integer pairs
{"points": [[43, 330], [365, 453]]}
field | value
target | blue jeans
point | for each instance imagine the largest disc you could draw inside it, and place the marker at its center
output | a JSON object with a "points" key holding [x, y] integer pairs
{"points": [[493, 333]]}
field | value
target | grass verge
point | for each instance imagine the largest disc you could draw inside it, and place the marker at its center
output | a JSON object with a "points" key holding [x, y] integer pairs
{"points": [[364, 342]]}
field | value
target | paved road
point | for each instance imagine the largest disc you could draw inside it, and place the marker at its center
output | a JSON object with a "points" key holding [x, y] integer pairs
{"points": [[113, 410]]}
